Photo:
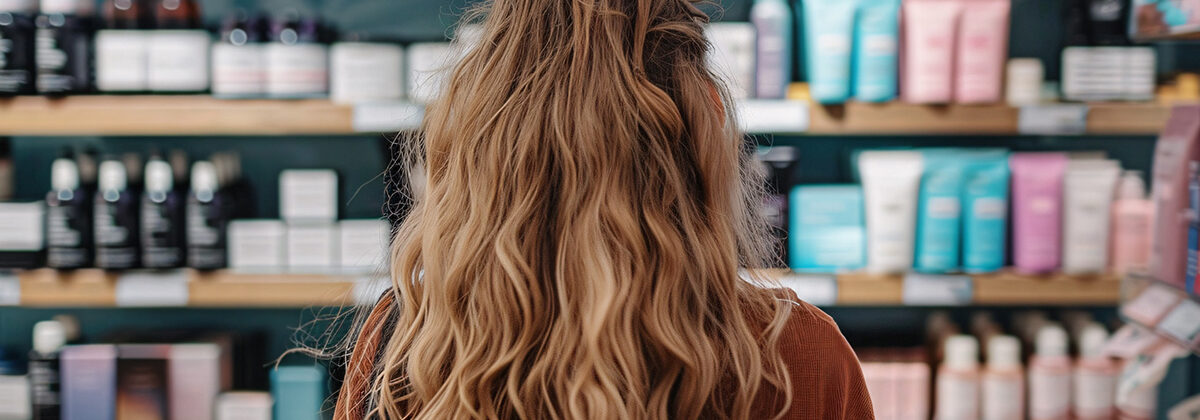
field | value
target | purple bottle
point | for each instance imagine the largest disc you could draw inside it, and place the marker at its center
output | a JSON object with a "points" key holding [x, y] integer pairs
{"points": [[1037, 188]]}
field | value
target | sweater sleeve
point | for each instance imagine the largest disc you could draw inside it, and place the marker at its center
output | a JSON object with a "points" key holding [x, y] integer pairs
{"points": [[827, 380]]}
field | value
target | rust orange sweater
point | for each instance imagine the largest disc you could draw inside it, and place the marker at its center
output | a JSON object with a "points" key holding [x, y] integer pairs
{"points": [[826, 378]]}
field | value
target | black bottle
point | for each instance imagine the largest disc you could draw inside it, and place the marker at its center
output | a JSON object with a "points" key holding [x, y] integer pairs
{"points": [[17, 62], [64, 47], [68, 216], [209, 210], [777, 163], [162, 218], [116, 218], [44, 375]]}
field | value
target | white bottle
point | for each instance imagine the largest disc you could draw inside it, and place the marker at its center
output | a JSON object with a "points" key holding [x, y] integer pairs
{"points": [[772, 21], [958, 380], [1050, 376], [1095, 377], [1004, 380]]}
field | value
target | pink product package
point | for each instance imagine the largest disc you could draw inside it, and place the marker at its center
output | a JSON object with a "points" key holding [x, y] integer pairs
{"points": [[1176, 147], [982, 48], [927, 55], [1037, 181]]}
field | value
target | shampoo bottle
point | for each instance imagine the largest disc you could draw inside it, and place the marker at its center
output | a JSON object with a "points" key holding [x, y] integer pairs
{"points": [[44, 377], [17, 63], [207, 219], [1004, 380], [1050, 376], [958, 380], [162, 221], [1095, 377], [1132, 224], [68, 217], [773, 21], [116, 218], [64, 44]]}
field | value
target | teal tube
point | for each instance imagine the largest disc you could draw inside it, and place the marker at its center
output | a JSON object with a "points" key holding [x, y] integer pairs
{"points": [[939, 212], [828, 30], [985, 210], [876, 45]]}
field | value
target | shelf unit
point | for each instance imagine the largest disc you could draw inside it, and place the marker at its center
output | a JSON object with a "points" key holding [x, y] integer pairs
{"points": [[97, 288], [198, 115]]}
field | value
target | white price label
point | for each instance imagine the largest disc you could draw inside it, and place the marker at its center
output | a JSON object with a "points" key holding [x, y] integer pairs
{"points": [[10, 290], [368, 289], [820, 290], [387, 116], [937, 290], [1059, 119], [768, 117], [152, 288], [1183, 323]]}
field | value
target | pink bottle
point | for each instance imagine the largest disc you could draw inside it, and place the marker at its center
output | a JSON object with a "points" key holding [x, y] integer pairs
{"points": [[1037, 182], [982, 50], [1004, 380], [1095, 377], [1178, 145], [1132, 221], [1050, 376], [927, 50], [958, 380]]}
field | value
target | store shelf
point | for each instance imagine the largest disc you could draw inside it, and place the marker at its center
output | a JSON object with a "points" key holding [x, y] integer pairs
{"points": [[196, 115]]}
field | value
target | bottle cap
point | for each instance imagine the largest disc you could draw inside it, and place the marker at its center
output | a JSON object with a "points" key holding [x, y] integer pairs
{"points": [[48, 337], [1132, 186], [159, 176], [17, 6], [112, 175], [64, 174], [204, 176], [962, 353], [65, 7], [1052, 341], [1004, 352], [1092, 339]]}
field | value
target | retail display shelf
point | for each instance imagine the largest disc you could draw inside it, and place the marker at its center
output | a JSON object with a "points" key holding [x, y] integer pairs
{"points": [[1164, 308], [199, 115], [96, 288]]}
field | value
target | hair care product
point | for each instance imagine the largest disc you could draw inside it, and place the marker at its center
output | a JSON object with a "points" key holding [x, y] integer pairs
{"points": [[208, 216], [1088, 188], [772, 21], [195, 379], [826, 232], [1050, 376], [985, 210], [982, 48], [928, 50], [238, 59], [828, 35], [163, 227], [366, 71], [1132, 225], [778, 162], [121, 46], [297, 60], [44, 376], [64, 47], [298, 391], [1003, 380], [68, 216], [958, 380], [891, 180], [89, 382], [1177, 145], [115, 218], [17, 59], [1025, 79], [1095, 385], [1037, 180], [177, 53], [939, 212], [876, 45]]}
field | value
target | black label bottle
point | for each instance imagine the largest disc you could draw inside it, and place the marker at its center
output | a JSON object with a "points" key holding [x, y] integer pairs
{"points": [[64, 47], [178, 52], [121, 46], [777, 164], [68, 217], [17, 62], [208, 215], [48, 339], [162, 226], [116, 218]]}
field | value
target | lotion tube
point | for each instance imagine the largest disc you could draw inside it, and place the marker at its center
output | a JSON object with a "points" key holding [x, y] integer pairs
{"points": [[891, 180]]}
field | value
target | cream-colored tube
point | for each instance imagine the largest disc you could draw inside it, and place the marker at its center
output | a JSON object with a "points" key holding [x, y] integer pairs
{"points": [[1087, 197], [891, 180]]}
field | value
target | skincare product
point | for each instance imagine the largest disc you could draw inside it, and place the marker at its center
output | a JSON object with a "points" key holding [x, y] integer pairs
{"points": [[239, 59], [163, 227], [982, 48], [17, 63], [1109, 73], [298, 391], [308, 195], [21, 235], [928, 63], [115, 218], [939, 211], [14, 397], [142, 381], [429, 64], [244, 405], [64, 43], [1050, 376], [1095, 385], [891, 181], [177, 55], [364, 244], [828, 36], [732, 55], [876, 47], [89, 386], [366, 71], [778, 162], [1089, 187], [312, 248], [1177, 145], [257, 245], [44, 375], [121, 46], [1132, 225], [985, 210], [194, 380], [1037, 180], [1003, 380], [958, 380], [1025, 79], [68, 216], [772, 21], [826, 228], [297, 62], [208, 214]]}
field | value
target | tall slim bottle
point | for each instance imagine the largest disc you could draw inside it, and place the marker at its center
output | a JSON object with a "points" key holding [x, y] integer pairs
{"points": [[162, 217], [68, 216], [44, 376], [1004, 380], [1133, 221], [116, 218], [772, 20], [208, 215], [958, 380], [17, 62], [1095, 377], [64, 47], [1050, 376]]}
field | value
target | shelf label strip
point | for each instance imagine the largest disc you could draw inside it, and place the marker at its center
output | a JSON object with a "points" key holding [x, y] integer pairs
{"points": [[1049, 120], [387, 116], [766, 117], [820, 290], [152, 288], [937, 290]]}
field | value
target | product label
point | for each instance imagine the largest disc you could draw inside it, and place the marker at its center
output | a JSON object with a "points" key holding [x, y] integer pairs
{"points": [[178, 60], [238, 70], [44, 388], [1002, 398], [957, 397], [66, 227], [62, 54], [116, 236], [297, 70], [990, 208], [1095, 394], [1049, 395], [943, 207], [121, 60], [16, 55], [205, 236], [162, 242]]}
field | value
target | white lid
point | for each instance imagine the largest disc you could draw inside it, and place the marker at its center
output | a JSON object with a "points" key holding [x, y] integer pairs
{"points": [[64, 174], [962, 352], [1052, 341], [112, 175], [18, 5], [66, 7], [48, 337], [159, 176], [1029, 67], [1004, 352], [204, 176], [1092, 339], [1132, 187]]}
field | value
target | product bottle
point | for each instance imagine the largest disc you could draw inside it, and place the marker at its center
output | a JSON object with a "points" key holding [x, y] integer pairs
{"points": [[116, 218], [68, 216], [17, 62], [297, 62], [177, 57], [207, 218], [958, 380], [48, 339], [773, 21], [1050, 376], [238, 60], [1133, 219], [778, 162], [64, 47], [1004, 380], [121, 46], [163, 225], [1095, 377]]}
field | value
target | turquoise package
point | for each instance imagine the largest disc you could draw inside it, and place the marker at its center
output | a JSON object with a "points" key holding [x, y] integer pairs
{"points": [[939, 212], [985, 215], [876, 42], [828, 33], [827, 231]]}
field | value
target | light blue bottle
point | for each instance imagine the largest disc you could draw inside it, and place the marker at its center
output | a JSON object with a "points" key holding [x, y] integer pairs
{"points": [[827, 231], [772, 21], [299, 391], [828, 30], [876, 42], [939, 212], [985, 210]]}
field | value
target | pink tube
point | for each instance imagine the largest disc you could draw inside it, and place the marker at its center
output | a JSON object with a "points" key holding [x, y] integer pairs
{"points": [[1037, 181], [982, 48]]}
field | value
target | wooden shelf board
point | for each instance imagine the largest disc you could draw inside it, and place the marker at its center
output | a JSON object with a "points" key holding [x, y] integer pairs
{"points": [[1011, 288], [901, 118], [228, 289]]}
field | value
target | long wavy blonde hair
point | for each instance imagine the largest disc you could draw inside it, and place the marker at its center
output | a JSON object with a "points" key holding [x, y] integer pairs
{"points": [[588, 204]]}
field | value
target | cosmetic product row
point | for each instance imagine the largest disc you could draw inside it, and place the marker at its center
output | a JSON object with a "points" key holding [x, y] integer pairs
{"points": [[157, 376], [950, 210]]}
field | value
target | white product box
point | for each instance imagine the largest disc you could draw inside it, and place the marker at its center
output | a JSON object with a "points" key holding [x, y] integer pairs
{"points": [[733, 55], [14, 397], [1108, 73], [364, 244], [364, 71], [238, 71], [21, 226], [257, 245], [177, 60], [297, 70], [308, 195], [244, 405], [429, 65], [121, 60], [312, 247]]}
